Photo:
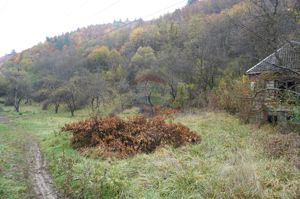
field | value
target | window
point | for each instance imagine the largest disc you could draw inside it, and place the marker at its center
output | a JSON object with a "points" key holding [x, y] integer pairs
{"points": [[272, 119], [291, 85], [270, 84]]}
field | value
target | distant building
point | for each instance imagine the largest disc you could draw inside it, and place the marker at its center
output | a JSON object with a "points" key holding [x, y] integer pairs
{"points": [[273, 79]]}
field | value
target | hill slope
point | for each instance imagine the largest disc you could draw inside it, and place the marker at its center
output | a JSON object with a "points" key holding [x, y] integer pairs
{"points": [[189, 50]]}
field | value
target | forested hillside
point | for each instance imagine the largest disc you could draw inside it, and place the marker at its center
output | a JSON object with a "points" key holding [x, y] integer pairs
{"points": [[176, 60]]}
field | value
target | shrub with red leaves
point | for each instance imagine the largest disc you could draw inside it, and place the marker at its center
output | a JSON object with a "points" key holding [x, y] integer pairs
{"points": [[124, 138]]}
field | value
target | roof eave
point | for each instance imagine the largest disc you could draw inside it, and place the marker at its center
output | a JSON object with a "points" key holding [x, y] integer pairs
{"points": [[253, 73]]}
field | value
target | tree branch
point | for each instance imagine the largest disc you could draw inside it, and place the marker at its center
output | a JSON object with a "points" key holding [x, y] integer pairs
{"points": [[276, 89]]}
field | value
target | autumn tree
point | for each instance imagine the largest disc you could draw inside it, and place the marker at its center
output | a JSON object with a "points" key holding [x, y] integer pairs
{"points": [[144, 58], [136, 37], [96, 89], [46, 93], [18, 89], [148, 82], [270, 24], [98, 59], [72, 94]]}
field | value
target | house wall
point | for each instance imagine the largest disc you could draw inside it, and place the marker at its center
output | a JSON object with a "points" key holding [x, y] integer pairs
{"points": [[267, 104]]}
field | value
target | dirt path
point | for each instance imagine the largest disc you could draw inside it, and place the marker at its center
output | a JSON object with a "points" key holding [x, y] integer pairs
{"points": [[39, 177], [42, 182], [3, 120]]}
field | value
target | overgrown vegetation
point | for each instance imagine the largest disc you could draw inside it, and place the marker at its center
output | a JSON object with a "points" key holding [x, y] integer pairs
{"points": [[233, 96]]}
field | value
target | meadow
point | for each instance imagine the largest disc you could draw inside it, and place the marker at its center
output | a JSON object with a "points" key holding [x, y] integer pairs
{"points": [[232, 161]]}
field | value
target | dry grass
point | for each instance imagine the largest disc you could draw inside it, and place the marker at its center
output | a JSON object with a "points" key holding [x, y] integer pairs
{"points": [[284, 145]]}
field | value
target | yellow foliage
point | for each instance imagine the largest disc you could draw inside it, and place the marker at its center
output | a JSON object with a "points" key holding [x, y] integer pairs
{"points": [[136, 34], [101, 52]]}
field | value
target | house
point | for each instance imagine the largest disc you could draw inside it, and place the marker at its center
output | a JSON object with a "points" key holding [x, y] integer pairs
{"points": [[276, 84]]}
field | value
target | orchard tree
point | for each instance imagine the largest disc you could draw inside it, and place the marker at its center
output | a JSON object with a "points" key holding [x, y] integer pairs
{"points": [[46, 93], [68, 94], [18, 89], [96, 90], [147, 82]]}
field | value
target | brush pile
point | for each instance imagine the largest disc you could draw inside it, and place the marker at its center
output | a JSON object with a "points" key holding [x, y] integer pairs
{"points": [[124, 138]]}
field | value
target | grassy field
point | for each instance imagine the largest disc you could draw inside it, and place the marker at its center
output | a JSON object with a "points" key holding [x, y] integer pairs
{"points": [[14, 181], [230, 162]]}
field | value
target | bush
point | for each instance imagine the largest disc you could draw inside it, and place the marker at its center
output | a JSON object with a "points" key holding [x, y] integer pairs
{"points": [[293, 122], [182, 95], [296, 116], [233, 96]]}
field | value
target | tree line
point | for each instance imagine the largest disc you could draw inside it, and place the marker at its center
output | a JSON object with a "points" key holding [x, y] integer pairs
{"points": [[176, 60]]}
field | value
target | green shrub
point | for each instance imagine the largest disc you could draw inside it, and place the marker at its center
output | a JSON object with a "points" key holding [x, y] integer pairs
{"points": [[294, 123], [233, 96], [182, 95]]}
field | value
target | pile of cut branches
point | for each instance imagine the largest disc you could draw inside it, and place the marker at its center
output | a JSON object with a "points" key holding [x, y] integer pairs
{"points": [[124, 138]]}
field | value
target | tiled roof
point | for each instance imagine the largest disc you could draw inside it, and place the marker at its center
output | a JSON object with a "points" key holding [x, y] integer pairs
{"points": [[286, 56]]}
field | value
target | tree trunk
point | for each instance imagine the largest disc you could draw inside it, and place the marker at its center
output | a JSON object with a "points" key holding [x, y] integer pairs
{"points": [[17, 104], [56, 108], [173, 92], [150, 102], [17, 108], [72, 106], [72, 112], [16, 100], [92, 104]]}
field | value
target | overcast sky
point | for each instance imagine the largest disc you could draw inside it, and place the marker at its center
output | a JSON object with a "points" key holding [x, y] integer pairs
{"points": [[25, 23]]}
